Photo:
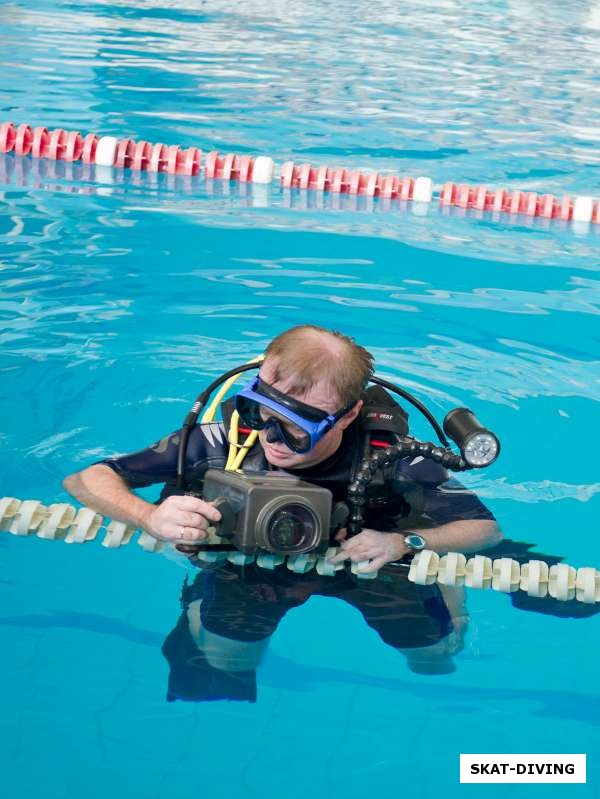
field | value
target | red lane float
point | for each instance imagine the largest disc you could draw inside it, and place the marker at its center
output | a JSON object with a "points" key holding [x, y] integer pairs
{"points": [[228, 167], [23, 140], [108, 151], [88, 155], [124, 155], [8, 135], [346, 181], [39, 148], [583, 209], [74, 147]]}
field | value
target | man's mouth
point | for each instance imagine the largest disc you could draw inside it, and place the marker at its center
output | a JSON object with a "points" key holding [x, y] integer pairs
{"points": [[279, 453]]}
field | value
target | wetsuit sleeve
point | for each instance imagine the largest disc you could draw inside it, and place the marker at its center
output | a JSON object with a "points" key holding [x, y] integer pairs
{"points": [[155, 464], [434, 495], [158, 463]]}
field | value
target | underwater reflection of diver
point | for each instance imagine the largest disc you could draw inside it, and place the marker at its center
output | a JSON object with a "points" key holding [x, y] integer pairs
{"points": [[230, 613]]}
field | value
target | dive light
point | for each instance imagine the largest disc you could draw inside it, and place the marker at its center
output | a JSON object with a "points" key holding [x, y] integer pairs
{"points": [[479, 446]]}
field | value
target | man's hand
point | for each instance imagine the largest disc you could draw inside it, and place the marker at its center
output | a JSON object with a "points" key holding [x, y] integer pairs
{"points": [[181, 519], [379, 548]]}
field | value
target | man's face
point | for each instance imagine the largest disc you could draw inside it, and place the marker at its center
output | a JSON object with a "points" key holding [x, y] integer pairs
{"points": [[319, 396]]}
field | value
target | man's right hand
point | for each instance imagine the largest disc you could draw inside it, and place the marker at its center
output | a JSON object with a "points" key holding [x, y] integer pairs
{"points": [[181, 519]]}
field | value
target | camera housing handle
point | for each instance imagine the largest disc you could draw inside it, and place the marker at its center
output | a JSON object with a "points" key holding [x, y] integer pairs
{"points": [[226, 526]]}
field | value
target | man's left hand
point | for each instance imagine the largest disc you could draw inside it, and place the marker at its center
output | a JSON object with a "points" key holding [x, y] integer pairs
{"points": [[380, 548]]}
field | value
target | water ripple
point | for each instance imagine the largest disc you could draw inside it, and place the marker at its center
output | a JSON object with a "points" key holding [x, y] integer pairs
{"points": [[453, 88]]}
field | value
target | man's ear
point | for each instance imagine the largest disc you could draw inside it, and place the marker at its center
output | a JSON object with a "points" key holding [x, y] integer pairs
{"points": [[348, 418]]}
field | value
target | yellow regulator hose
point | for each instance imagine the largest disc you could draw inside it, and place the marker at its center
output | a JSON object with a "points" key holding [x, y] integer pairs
{"points": [[536, 578], [237, 452]]}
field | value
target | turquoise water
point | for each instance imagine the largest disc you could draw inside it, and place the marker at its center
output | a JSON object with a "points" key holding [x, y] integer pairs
{"points": [[121, 296]]}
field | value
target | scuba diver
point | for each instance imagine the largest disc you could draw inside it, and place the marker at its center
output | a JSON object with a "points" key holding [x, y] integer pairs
{"points": [[316, 419], [308, 414]]}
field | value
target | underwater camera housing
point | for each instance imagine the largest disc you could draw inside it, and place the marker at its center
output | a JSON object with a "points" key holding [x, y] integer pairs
{"points": [[277, 513]]}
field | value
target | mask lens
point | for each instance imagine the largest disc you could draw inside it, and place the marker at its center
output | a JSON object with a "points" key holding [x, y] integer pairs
{"points": [[249, 411], [258, 417], [293, 435]]}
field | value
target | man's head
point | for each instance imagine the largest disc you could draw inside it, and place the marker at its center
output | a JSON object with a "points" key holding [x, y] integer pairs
{"points": [[319, 368]]}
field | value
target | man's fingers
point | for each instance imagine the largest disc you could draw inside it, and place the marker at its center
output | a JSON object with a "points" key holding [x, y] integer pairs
{"points": [[199, 506], [184, 534], [344, 554], [190, 519], [187, 502], [374, 565], [358, 551], [360, 554], [351, 546], [359, 541]]}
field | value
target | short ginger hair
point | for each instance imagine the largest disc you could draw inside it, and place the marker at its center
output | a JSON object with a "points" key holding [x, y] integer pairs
{"points": [[307, 354]]}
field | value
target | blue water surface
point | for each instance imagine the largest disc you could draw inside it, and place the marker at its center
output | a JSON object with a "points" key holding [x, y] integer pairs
{"points": [[122, 295]]}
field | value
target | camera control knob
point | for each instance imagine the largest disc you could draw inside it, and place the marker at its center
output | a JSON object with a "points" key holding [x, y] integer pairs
{"points": [[226, 526]]}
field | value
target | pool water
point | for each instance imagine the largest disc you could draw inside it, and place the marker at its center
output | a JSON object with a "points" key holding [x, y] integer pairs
{"points": [[121, 296]]}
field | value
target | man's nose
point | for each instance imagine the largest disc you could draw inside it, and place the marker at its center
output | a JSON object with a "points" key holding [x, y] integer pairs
{"points": [[273, 432]]}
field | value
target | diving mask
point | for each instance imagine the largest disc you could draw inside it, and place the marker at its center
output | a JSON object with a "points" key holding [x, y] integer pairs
{"points": [[298, 425]]}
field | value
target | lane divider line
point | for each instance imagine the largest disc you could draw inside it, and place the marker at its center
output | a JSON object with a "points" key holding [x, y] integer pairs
{"points": [[64, 522], [108, 151]]}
